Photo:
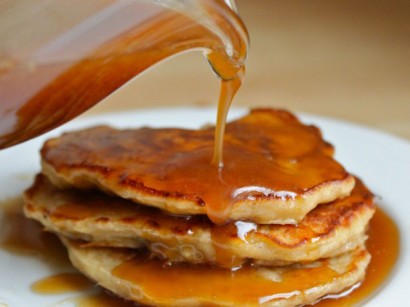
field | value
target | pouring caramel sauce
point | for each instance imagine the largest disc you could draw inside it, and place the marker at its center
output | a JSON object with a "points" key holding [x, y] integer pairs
{"points": [[40, 94], [58, 92], [383, 245]]}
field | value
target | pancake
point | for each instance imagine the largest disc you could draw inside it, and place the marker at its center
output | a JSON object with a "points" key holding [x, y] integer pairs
{"points": [[276, 169], [101, 220], [134, 276]]}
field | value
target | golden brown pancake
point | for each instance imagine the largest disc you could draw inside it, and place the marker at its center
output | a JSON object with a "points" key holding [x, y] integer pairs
{"points": [[276, 169], [101, 220], [134, 276]]}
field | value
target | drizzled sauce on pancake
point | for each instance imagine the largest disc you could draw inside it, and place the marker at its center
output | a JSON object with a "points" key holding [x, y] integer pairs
{"points": [[303, 231], [268, 155], [244, 286], [173, 236], [383, 244], [384, 247]]}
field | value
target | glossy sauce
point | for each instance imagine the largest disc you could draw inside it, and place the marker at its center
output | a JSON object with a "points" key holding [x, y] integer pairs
{"points": [[269, 155], [227, 93], [62, 283], [383, 244], [246, 287], [172, 236], [65, 283]]}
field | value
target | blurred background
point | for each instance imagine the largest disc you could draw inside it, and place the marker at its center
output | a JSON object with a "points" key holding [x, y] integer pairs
{"points": [[343, 59]]}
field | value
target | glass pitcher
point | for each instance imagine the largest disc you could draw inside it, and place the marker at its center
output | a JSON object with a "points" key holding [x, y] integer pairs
{"points": [[58, 58]]}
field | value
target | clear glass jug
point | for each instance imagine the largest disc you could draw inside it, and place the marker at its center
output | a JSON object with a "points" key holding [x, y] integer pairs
{"points": [[58, 58]]}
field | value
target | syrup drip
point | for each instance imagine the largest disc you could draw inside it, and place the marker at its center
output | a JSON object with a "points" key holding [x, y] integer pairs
{"points": [[227, 93], [221, 242]]}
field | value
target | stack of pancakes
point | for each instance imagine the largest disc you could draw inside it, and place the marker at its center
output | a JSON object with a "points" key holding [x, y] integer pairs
{"points": [[144, 214]]}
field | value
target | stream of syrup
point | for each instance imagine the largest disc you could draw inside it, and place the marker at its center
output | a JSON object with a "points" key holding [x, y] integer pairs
{"points": [[383, 244]]}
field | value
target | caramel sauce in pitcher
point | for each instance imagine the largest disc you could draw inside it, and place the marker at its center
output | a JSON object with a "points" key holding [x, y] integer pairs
{"points": [[58, 83]]}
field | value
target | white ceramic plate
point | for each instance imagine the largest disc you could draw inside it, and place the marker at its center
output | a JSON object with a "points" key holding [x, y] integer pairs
{"points": [[382, 160]]}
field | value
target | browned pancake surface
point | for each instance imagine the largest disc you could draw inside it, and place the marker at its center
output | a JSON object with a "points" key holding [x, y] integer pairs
{"points": [[276, 169]]}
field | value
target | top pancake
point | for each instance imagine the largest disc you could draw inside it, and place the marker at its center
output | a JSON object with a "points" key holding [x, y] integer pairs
{"points": [[276, 169]]}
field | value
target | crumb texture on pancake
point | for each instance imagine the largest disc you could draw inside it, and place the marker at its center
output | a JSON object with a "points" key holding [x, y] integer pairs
{"points": [[289, 168], [135, 277], [101, 220]]}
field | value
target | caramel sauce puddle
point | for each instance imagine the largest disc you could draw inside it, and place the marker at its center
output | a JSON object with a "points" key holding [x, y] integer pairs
{"points": [[247, 287]]}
